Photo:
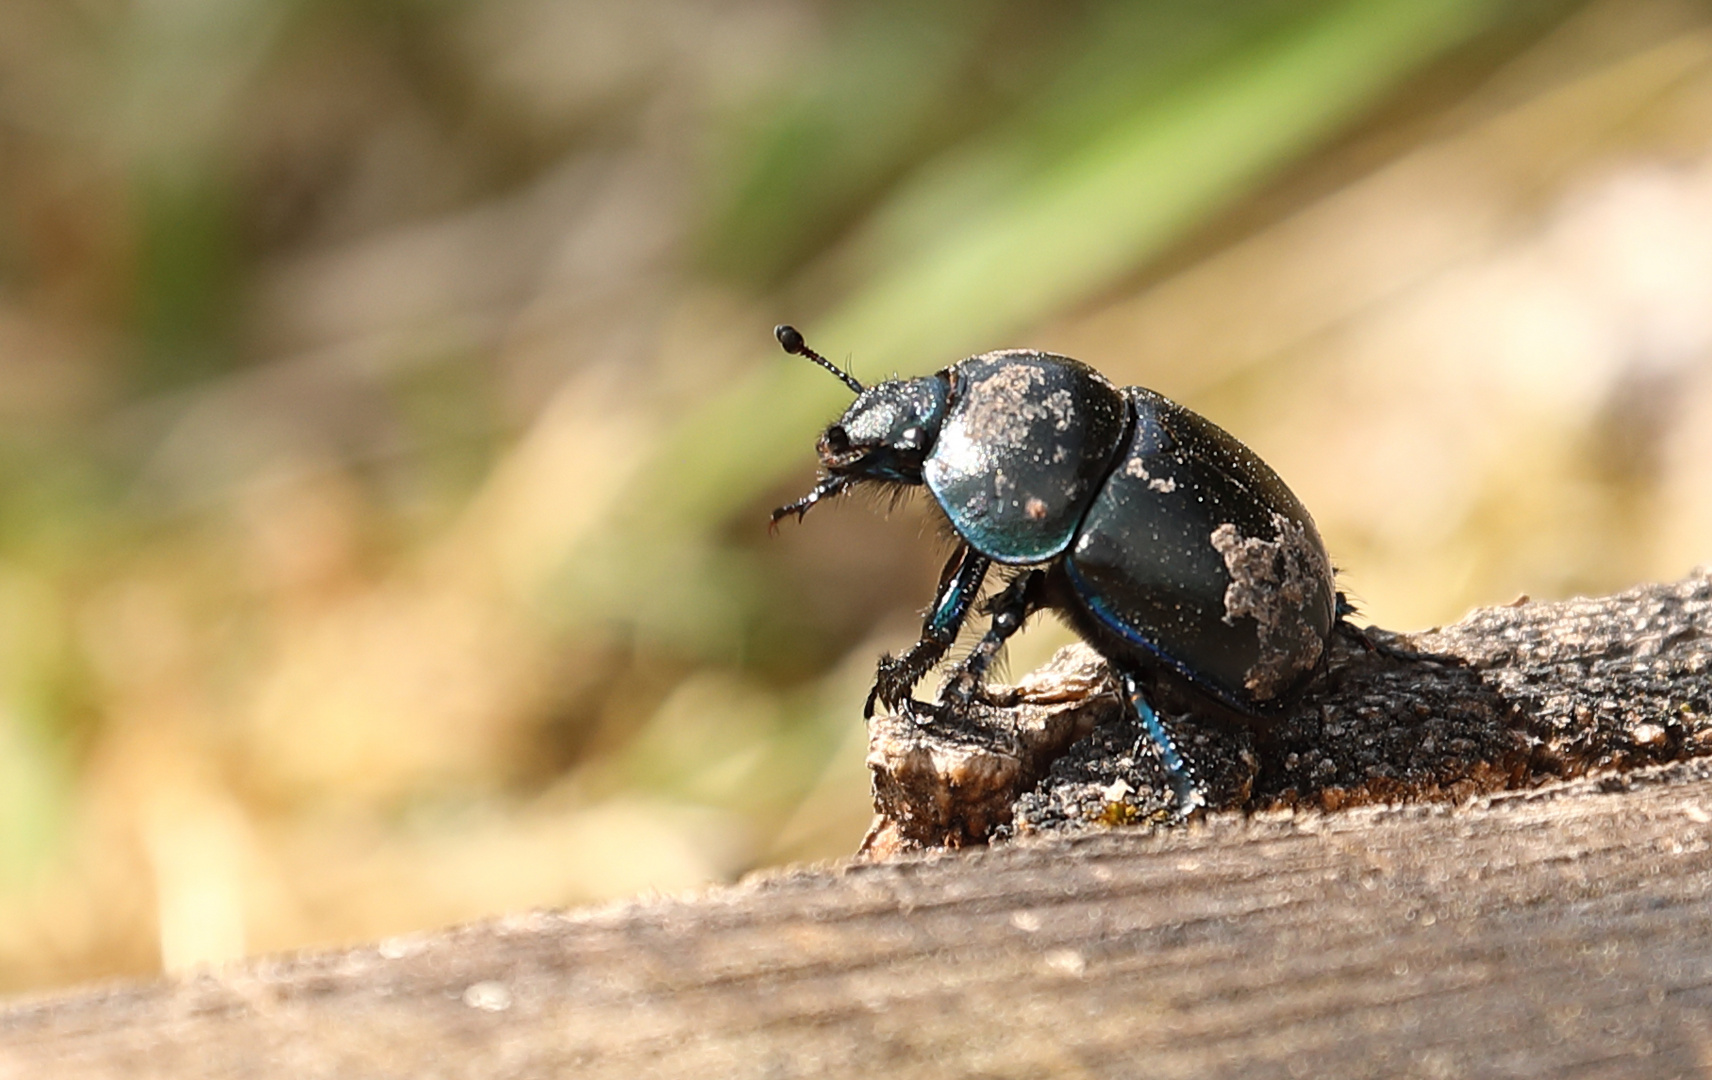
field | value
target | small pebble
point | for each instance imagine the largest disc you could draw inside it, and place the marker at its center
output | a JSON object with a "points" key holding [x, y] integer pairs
{"points": [[488, 997], [397, 948], [1066, 961]]}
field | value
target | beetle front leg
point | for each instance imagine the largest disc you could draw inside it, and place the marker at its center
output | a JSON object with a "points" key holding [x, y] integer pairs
{"points": [[828, 485], [1010, 608], [959, 584]]}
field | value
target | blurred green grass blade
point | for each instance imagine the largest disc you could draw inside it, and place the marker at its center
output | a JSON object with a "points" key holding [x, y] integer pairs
{"points": [[1145, 183], [1057, 237], [35, 800], [895, 77], [35, 770], [901, 81], [1066, 234]]}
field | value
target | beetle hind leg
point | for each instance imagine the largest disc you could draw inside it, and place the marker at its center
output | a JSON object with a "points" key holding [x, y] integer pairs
{"points": [[1362, 637], [1185, 790]]}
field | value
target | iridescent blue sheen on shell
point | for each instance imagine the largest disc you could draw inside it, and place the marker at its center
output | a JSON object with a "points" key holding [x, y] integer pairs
{"points": [[1024, 446]]}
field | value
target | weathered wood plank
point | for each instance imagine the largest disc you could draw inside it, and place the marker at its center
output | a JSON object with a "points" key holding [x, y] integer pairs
{"points": [[1566, 932], [1560, 930]]}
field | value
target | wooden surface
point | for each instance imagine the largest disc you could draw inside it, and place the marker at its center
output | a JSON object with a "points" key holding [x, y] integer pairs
{"points": [[1564, 929], [1509, 698], [1559, 933]]}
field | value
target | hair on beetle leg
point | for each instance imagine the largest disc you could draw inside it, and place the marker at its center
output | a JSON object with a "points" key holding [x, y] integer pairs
{"points": [[1345, 602]]}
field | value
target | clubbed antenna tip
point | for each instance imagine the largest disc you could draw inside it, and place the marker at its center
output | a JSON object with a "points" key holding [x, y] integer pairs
{"points": [[792, 342]]}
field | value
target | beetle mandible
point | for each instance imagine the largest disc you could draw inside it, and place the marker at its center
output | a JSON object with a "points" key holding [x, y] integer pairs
{"points": [[1169, 546]]}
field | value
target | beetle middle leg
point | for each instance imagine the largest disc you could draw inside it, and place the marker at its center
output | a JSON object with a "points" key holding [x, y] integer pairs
{"points": [[1010, 608], [959, 584]]}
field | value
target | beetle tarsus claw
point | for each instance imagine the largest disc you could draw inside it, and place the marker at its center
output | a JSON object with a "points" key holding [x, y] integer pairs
{"points": [[896, 676], [1187, 801], [920, 713], [961, 691]]}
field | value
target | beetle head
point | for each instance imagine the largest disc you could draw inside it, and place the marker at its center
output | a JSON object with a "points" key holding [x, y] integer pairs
{"points": [[885, 435], [887, 432]]}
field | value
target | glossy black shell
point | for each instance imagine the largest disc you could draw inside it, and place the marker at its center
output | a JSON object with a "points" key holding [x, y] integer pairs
{"points": [[1196, 554], [1182, 548]]}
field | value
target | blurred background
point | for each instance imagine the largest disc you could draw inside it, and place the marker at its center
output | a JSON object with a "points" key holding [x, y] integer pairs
{"points": [[389, 412]]}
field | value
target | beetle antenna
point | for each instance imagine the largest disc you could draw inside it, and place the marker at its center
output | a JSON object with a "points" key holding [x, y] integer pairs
{"points": [[794, 344]]}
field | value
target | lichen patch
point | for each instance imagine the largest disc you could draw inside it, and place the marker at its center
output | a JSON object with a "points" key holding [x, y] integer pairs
{"points": [[1061, 407], [1273, 582], [1003, 408]]}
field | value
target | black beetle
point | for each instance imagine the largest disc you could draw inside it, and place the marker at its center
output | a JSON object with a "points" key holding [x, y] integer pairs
{"points": [[1164, 542]]}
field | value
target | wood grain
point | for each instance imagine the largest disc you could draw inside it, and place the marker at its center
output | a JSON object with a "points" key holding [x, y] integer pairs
{"points": [[1565, 932], [1563, 929]]}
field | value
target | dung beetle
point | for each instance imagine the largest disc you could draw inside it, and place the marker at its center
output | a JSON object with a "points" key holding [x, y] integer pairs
{"points": [[1169, 546]]}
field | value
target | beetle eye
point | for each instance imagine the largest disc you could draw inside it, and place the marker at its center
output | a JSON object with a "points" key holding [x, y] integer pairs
{"points": [[836, 440]]}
